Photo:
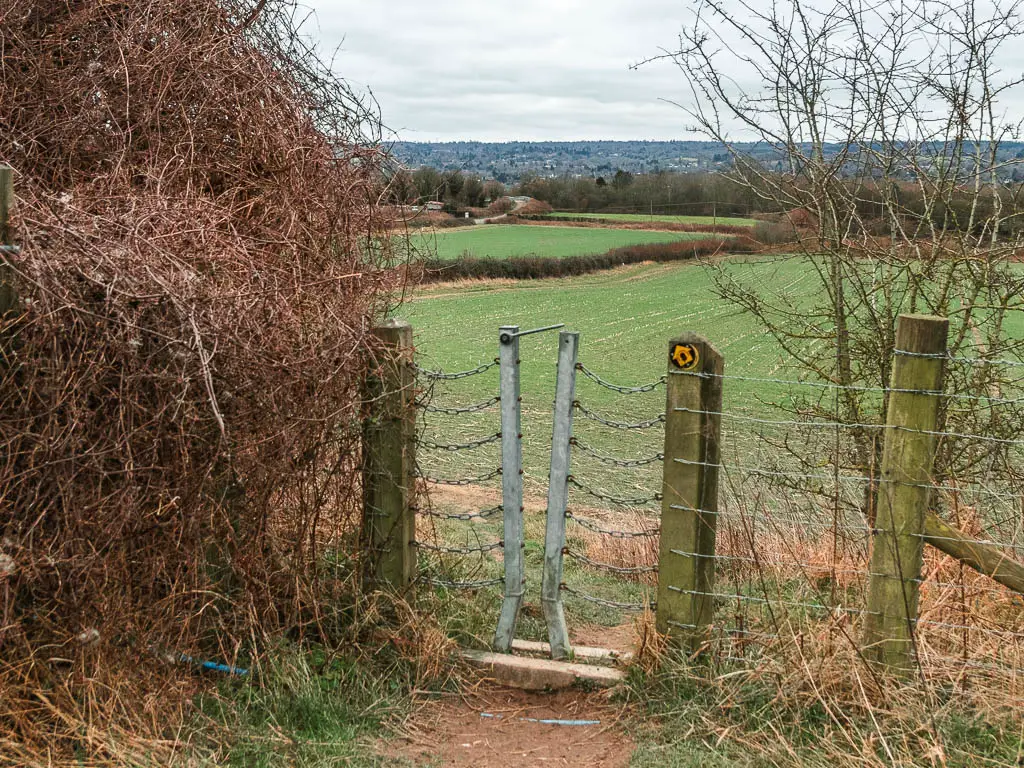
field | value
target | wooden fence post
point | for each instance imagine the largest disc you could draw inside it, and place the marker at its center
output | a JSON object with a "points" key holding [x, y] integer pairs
{"points": [[8, 296], [904, 492], [689, 507], [389, 459]]}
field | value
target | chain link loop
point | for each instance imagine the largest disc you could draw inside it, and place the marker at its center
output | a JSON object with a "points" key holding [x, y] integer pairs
{"points": [[428, 408], [442, 376], [463, 584], [616, 387], [622, 502], [660, 419], [463, 481], [613, 532], [453, 447], [464, 515], [636, 569], [611, 460], [459, 550], [608, 603]]}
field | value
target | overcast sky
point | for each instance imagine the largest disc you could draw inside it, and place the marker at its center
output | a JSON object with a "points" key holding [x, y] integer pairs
{"points": [[447, 70]]}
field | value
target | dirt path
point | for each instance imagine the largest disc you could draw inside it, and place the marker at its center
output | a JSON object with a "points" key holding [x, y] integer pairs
{"points": [[495, 728]]}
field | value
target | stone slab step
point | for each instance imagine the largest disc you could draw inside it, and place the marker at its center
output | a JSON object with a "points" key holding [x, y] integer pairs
{"points": [[581, 653], [540, 674]]}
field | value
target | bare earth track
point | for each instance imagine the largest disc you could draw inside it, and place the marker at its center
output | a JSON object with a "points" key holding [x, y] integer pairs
{"points": [[494, 728]]}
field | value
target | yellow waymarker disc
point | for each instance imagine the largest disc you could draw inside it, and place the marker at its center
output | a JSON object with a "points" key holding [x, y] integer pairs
{"points": [[685, 356]]}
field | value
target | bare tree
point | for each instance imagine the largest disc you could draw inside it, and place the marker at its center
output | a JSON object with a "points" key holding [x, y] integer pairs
{"points": [[885, 125]]}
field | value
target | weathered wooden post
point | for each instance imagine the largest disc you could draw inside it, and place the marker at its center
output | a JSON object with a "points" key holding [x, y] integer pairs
{"points": [[686, 561], [904, 491], [8, 296], [389, 520]]}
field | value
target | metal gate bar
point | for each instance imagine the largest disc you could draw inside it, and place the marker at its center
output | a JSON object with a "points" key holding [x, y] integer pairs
{"points": [[511, 486], [558, 495]]}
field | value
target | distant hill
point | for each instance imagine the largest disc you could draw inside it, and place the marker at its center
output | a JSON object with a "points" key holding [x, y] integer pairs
{"points": [[510, 161]]}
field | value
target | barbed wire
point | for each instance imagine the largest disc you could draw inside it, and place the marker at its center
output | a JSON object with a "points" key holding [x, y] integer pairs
{"points": [[465, 516], [442, 376], [776, 473], [770, 601], [725, 629], [455, 411], [483, 548], [462, 481], [636, 569], [1000, 544], [593, 416], [974, 627], [953, 359], [611, 460], [612, 532], [991, 400], [762, 561], [622, 502], [848, 425], [617, 387], [608, 603], [847, 478], [454, 447]]}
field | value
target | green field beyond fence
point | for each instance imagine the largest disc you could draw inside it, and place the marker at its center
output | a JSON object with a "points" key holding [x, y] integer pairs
{"points": [[640, 218], [509, 241], [625, 319]]}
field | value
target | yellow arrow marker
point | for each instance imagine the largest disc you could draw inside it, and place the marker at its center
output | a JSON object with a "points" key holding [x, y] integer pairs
{"points": [[685, 356]]}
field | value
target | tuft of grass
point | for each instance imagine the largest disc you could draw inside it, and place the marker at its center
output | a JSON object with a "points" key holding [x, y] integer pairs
{"points": [[691, 715], [306, 709]]}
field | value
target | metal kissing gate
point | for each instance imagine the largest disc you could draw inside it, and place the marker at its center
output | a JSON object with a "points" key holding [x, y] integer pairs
{"points": [[761, 591], [391, 469], [511, 437]]}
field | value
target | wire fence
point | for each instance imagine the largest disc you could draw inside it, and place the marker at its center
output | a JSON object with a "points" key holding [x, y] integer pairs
{"points": [[613, 510], [456, 548], [796, 520], [798, 515]]}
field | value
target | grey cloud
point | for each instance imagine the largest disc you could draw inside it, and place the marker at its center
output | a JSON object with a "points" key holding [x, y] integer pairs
{"points": [[536, 69]]}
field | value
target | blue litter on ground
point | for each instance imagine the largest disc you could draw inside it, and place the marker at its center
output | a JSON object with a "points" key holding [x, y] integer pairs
{"points": [[545, 721]]}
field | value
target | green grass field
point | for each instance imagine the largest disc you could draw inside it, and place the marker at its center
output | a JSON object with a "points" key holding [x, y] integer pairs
{"points": [[728, 221], [626, 318], [495, 241]]}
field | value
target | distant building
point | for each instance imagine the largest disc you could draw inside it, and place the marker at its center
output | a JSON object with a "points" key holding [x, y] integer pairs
{"points": [[434, 205]]}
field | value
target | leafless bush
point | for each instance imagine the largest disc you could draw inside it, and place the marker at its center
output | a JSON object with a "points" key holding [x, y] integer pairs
{"points": [[202, 255]]}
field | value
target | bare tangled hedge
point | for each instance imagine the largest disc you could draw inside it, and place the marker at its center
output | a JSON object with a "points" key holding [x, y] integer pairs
{"points": [[202, 257]]}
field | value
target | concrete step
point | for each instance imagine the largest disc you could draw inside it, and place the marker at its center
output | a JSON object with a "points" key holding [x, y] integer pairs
{"points": [[581, 653], [540, 674]]}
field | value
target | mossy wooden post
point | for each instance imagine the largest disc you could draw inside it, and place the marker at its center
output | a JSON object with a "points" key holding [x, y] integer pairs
{"points": [[8, 297], [389, 459], [904, 493], [686, 564]]}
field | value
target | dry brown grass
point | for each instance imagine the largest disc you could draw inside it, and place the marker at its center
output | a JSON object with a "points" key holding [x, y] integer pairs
{"points": [[969, 636], [202, 259]]}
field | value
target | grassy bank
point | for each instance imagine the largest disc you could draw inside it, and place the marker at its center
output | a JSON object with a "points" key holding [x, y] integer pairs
{"points": [[640, 218], [495, 241]]}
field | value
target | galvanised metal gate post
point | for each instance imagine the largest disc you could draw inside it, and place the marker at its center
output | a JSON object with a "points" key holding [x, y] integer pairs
{"points": [[511, 486], [558, 495]]}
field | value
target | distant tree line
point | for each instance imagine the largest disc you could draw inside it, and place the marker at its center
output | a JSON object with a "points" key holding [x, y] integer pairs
{"points": [[708, 194], [697, 194], [457, 190]]}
